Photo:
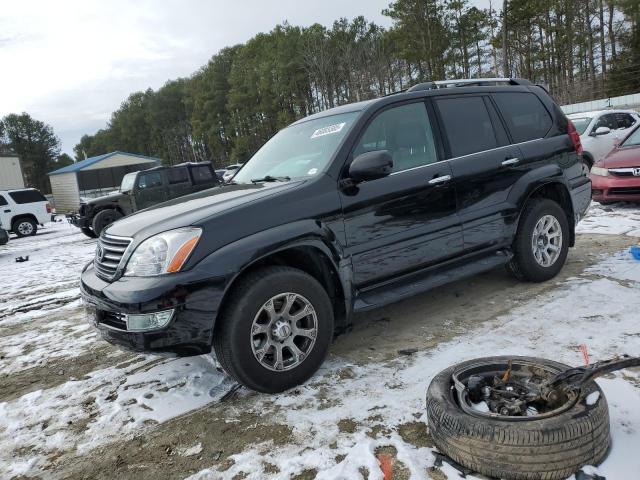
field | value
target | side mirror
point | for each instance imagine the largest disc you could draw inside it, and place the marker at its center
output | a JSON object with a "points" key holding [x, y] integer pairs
{"points": [[601, 131], [371, 166]]}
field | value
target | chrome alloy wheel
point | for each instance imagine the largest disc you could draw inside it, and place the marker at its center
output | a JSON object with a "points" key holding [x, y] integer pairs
{"points": [[284, 331], [546, 241], [25, 228]]}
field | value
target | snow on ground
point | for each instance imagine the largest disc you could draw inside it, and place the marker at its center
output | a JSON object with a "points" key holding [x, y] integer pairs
{"points": [[600, 313], [618, 219], [41, 323]]}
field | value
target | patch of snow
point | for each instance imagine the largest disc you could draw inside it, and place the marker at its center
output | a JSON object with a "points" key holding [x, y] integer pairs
{"points": [[107, 404], [592, 398], [191, 451], [616, 219], [480, 406]]}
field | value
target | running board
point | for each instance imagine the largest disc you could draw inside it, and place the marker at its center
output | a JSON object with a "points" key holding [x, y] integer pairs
{"points": [[424, 281]]}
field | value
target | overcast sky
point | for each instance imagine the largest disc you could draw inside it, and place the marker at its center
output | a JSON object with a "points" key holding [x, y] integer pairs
{"points": [[71, 63]]}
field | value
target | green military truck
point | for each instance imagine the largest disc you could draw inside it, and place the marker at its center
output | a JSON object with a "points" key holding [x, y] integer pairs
{"points": [[140, 190]]}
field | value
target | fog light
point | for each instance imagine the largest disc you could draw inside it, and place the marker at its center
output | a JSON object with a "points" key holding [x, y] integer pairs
{"points": [[149, 321]]}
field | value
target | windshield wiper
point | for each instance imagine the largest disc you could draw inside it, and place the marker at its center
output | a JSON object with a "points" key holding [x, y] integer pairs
{"points": [[269, 178]]}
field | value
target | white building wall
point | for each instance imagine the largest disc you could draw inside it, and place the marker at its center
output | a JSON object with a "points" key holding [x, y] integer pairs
{"points": [[10, 173], [630, 102], [66, 195]]}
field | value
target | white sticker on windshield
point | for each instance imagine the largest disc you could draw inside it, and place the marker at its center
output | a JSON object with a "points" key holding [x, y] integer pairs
{"points": [[328, 130], [313, 171]]}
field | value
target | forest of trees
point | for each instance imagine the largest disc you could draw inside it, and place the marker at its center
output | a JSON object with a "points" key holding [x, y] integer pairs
{"points": [[36, 145], [580, 49]]}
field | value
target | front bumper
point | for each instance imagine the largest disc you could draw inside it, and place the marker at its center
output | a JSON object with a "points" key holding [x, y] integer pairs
{"points": [[195, 299], [78, 221], [613, 188]]}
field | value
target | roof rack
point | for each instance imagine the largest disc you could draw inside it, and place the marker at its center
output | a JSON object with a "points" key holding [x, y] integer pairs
{"points": [[467, 82]]}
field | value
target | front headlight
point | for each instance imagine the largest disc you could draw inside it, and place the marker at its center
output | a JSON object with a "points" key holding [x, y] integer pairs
{"points": [[163, 253], [603, 172]]}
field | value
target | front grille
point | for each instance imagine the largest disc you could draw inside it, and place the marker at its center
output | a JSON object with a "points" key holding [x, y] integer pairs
{"points": [[622, 172], [109, 253], [624, 191], [113, 320], [83, 209]]}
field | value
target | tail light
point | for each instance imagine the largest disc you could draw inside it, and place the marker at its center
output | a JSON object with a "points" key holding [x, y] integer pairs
{"points": [[575, 137], [48, 208]]}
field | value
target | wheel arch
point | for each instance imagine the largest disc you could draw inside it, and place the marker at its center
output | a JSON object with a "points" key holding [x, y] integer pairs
{"points": [[588, 159], [315, 252], [29, 216], [110, 206], [558, 192]]}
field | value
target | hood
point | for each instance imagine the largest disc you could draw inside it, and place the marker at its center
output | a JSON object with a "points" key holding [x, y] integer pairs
{"points": [[622, 157], [110, 198], [194, 209]]}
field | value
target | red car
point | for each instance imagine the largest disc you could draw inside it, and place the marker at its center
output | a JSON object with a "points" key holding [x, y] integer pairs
{"points": [[617, 176]]}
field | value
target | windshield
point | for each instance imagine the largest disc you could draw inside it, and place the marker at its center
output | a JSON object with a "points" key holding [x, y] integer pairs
{"points": [[581, 124], [301, 150], [633, 139], [127, 182]]}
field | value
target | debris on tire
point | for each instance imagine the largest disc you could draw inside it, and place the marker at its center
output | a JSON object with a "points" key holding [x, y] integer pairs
{"points": [[521, 417]]}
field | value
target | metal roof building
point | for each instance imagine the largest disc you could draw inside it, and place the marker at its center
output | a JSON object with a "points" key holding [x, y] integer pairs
{"points": [[94, 177], [10, 170]]}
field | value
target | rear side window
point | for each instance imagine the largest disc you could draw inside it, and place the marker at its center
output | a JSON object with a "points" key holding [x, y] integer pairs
{"points": [[526, 117], [201, 174], [177, 175], [27, 196], [625, 120], [467, 125], [3, 201], [608, 120]]}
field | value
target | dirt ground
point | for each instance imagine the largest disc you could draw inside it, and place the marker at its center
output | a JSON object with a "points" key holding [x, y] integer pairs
{"points": [[242, 419]]}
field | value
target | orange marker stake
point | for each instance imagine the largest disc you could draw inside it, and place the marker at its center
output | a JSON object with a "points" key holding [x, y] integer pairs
{"points": [[585, 353], [386, 465]]}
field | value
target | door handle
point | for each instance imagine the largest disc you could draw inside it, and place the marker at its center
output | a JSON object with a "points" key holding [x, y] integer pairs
{"points": [[510, 161], [439, 180], [7, 211]]}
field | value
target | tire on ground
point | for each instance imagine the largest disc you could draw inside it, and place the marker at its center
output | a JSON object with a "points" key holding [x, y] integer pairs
{"points": [[88, 232], [232, 335], [523, 265], [543, 449], [24, 227], [104, 218]]}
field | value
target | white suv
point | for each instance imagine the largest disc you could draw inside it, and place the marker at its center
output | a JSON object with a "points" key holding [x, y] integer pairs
{"points": [[600, 129], [21, 211]]}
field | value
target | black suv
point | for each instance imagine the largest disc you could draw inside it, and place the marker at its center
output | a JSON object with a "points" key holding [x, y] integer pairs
{"points": [[340, 212], [140, 190]]}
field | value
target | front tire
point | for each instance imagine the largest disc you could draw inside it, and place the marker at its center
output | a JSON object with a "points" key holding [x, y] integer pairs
{"points": [[275, 330], [542, 241], [88, 232], [24, 227], [103, 219]]}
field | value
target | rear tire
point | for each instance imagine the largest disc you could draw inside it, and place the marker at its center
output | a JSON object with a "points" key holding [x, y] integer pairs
{"points": [[88, 232], [247, 338], [541, 263], [24, 227], [540, 449], [103, 219]]}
